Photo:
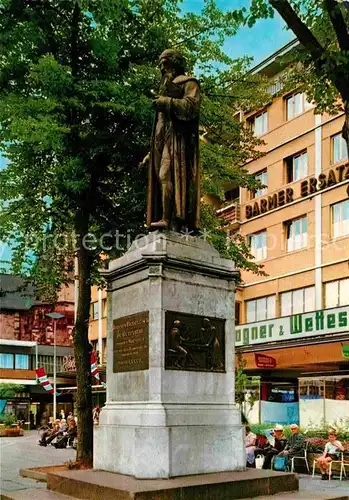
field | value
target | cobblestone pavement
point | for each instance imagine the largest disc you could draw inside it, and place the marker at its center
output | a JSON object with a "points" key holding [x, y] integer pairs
{"points": [[23, 452], [319, 486]]}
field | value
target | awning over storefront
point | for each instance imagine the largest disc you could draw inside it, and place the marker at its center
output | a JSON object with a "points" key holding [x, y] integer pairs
{"points": [[302, 359]]}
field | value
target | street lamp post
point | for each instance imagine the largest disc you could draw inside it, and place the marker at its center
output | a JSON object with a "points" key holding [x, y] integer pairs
{"points": [[54, 316]]}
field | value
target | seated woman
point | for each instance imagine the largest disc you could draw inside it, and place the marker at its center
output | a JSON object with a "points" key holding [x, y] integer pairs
{"points": [[250, 445], [331, 452]]}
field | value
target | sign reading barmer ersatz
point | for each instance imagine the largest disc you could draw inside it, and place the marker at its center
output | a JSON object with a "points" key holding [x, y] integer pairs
{"points": [[131, 343]]}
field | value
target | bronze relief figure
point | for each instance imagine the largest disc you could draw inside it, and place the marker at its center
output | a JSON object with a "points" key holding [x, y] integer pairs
{"points": [[194, 343], [174, 181]]}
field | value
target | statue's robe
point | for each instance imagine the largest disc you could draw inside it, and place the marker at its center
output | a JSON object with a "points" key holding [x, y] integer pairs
{"points": [[180, 117]]}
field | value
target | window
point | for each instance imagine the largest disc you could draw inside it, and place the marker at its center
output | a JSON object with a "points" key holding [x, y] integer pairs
{"points": [[232, 194], [258, 244], [6, 360], [298, 301], [296, 104], [259, 124], [47, 362], [260, 309], [339, 148], [237, 313], [95, 310], [296, 234], [263, 178], [21, 362], [297, 166], [337, 293], [340, 219]]}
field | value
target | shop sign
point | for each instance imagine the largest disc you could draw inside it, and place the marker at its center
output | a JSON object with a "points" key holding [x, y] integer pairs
{"points": [[307, 187], [345, 351], [69, 364], [263, 361], [311, 324]]}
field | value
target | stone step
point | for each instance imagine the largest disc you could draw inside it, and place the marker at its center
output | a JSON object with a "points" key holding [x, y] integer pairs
{"points": [[34, 494], [303, 495], [97, 485], [43, 494]]}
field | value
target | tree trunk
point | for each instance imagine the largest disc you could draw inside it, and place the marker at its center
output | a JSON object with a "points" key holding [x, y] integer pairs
{"points": [[82, 354]]}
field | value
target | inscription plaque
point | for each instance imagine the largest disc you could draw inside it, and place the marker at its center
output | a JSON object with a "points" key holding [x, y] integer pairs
{"points": [[131, 343], [194, 343]]}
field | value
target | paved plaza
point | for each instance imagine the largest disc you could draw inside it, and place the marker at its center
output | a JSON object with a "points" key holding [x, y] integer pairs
{"points": [[23, 452]]}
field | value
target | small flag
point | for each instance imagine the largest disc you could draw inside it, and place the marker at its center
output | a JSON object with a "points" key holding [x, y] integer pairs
{"points": [[94, 368], [44, 381]]}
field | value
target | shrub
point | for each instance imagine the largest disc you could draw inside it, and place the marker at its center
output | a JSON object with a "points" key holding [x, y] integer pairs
{"points": [[317, 445], [8, 419]]}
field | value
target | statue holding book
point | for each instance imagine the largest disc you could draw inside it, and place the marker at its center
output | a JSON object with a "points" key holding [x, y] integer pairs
{"points": [[174, 180]]}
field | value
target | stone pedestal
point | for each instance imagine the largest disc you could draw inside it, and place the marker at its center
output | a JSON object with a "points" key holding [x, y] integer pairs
{"points": [[158, 422]]}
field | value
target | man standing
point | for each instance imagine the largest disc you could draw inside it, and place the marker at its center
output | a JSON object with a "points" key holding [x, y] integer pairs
{"points": [[174, 182]]}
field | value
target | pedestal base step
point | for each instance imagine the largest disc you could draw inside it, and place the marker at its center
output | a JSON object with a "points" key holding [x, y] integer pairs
{"points": [[43, 494], [302, 495], [97, 485]]}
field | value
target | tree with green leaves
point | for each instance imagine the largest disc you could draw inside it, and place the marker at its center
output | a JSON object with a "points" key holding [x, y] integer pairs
{"points": [[9, 391], [77, 78], [322, 28]]}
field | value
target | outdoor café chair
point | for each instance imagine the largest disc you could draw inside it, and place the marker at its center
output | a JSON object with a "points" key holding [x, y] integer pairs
{"points": [[301, 457], [342, 467]]}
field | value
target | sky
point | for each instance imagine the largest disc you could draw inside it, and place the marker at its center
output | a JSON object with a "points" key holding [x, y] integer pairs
{"points": [[259, 42]]}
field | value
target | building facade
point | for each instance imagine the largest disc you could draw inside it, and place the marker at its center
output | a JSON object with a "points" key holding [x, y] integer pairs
{"points": [[293, 324], [27, 342]]}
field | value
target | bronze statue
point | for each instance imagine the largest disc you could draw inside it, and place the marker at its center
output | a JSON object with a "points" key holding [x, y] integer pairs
{"points": [[174, 182]]}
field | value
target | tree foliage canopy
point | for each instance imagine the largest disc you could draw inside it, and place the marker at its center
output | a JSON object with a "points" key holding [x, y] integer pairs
{"points": [[74, 127]]}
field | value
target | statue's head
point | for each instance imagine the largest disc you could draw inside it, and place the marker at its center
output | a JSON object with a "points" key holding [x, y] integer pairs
{"points": [[172, 61]]}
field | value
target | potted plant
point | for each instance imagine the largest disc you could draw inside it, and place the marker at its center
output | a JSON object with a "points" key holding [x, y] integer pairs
{"points": [[9, 428]]}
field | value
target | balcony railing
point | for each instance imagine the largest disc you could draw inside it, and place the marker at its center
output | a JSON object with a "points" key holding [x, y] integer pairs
{"points": [[231, 214]]}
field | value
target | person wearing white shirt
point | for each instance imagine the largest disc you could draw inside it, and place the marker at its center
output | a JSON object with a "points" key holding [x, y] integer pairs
{"points": [[250, 445], [331, 452]]}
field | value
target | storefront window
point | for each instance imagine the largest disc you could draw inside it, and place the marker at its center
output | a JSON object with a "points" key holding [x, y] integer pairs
{"points": [[46, 362], [260, 309], [298, 301], [21, 361], [6, 360], [337, 293]]}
